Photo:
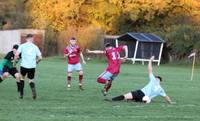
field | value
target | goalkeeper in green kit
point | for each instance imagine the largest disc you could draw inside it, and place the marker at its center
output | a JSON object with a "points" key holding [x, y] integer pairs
{"points": [[6, 68]]}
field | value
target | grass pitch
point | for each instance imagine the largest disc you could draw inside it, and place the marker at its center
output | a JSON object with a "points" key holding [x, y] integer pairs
{"points": [[56, 103]]}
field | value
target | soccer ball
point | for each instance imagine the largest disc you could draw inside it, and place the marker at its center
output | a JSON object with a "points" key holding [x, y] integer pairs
{"points": [[146, 99], [88, 58]]}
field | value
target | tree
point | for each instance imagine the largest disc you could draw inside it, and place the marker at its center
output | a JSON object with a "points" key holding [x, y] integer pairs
{"points": [[182, 39], [13, 11]]}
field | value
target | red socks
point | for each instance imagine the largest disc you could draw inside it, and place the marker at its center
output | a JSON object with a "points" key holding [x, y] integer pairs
{"points": [[69, 80], [108, 87], [80, 78]]}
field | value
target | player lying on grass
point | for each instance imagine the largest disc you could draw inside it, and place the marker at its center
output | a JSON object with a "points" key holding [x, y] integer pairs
{"points": [[72, 52], [6, 67], [114, 63], [151, 90]]}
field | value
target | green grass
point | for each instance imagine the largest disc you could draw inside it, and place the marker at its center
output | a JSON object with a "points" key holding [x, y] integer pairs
{"points": [[56, 103]]}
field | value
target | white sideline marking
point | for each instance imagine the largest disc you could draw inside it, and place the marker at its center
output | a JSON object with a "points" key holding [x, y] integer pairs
{"points": [[188, 105], [132, 117], [116, 106], [168, 116]]}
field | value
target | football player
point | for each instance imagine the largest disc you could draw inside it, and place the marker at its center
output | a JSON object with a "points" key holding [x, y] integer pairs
{"points": [[114, 64], [151, 90], [72, 52], [7, 68]]}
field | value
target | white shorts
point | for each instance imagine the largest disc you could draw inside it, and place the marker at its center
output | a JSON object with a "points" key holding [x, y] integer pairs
{"points": [[108, 76], [74, 67]]}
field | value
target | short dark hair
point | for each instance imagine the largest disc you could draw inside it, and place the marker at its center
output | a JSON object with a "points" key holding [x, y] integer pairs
{"points": [[160, 78], [73, 38], [29, 36], [15, 46], [108, 45], [4, 22]]}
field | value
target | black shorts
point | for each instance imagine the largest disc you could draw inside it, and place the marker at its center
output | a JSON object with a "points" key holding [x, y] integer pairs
{"points": [[11, 71], [30, 72], [137, 95]]}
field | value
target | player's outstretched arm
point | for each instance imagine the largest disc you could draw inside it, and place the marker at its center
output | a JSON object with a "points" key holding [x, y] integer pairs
{"points": [[82, 57], [150, 68], [168, 100], [95, 51], [125, 48]]}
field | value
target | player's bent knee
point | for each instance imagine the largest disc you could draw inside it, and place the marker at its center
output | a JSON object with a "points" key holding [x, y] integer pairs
{"points": [[101, 80], [128, 96], [5, 75], [22, 77], [80, 72], [69, 73], [17, 76], [31, 80]]}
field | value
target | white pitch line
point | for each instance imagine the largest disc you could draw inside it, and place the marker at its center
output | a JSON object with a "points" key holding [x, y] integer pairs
{"points": [[166, 116], [114, 106], [132, 117], [187, 105]]}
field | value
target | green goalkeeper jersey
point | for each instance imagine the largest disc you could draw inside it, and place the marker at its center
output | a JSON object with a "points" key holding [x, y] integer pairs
{"points": [[7, 60]]}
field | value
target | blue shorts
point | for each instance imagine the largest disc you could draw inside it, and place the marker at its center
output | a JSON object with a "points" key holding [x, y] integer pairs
{"points": [[1, 72], [74, 67], [106, 75]]}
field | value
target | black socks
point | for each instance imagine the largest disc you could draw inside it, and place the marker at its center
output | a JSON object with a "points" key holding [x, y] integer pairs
{"points": [[22, 87], [118, 98], [32, 85], [18, 86], [1, 79]]}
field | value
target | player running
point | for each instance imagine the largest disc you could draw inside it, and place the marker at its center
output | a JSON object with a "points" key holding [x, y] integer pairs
{"points": [[151, 90], [31, 55], [114, 63], [72, 52], [6, 68]]}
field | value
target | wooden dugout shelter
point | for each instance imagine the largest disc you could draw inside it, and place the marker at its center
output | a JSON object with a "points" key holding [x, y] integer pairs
{"points": [[141, 46]]}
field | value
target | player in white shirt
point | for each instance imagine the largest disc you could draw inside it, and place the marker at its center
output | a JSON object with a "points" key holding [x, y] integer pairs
{"points": [[30, 56], [151, 90]]}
